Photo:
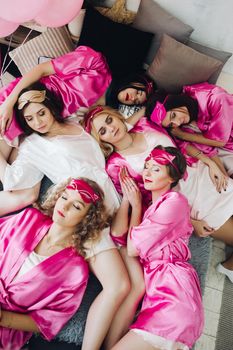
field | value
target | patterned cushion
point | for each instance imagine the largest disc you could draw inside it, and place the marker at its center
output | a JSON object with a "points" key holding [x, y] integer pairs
{"points": [[54, 42], [118, 12]]}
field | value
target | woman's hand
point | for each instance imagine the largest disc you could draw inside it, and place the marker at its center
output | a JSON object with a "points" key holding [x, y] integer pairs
{"points": [[219, 179], [177, 132], [6, 115], [129, 188], [201, 228]]}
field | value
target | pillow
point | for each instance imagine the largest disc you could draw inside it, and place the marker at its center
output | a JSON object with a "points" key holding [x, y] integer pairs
{"points": [[6, 79], [53, 43], [131, 5], [153, 18], [222, 56], [124, 47], [75, 26], [118, 12], [176, 64]]}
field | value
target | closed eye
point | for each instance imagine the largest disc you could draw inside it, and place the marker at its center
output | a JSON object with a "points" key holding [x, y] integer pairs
{"points": [[28, 119], [41, 113], [102, 131], [108, 120]]}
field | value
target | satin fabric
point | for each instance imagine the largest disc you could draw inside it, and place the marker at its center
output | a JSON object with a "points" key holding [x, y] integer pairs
{"points": [[59, 158], [205, 202], [115, 162], [172, 306], [81, 78], [215, 115], [207, 150], [50, 292]]}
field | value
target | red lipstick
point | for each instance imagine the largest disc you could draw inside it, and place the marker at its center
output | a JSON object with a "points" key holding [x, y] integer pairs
{"points": [[60, 213]]}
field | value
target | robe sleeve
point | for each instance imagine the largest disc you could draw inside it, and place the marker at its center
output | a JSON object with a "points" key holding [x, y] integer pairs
{"points": [[63, 306], [21, 174], [113, 167], [6, 231], [182, 145], [220, 108], [168, 221], [81, 78]]}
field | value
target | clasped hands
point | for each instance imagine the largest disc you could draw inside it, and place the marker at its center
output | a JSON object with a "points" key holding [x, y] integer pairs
{"points": [[130, 190]]}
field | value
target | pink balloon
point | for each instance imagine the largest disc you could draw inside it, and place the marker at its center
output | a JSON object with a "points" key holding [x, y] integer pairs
{"points": [[6, 27], [21, 10], [58, 12]]}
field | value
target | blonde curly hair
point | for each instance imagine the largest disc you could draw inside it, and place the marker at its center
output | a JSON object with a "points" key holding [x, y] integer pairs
{"points": [[96, 219], [107, 148]]}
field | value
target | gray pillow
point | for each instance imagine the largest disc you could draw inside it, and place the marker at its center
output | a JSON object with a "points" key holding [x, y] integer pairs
{"points": [[176, 64], [222, 56], [154, 19]]}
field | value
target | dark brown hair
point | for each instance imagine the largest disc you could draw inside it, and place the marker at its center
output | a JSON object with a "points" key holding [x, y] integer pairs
{"points": [[52, 102]]}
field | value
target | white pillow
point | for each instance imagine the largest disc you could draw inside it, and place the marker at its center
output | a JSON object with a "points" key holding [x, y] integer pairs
{"points": [[75, 26]]}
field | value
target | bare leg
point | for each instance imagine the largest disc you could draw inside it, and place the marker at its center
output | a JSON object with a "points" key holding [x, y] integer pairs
{"points": [[225, 232], [109, 268], [133, 341], [14, 200], [127, 310]]}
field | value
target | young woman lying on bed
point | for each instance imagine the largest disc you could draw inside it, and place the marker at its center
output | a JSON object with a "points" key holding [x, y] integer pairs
{"points": [[80, 78], [59, 149]]}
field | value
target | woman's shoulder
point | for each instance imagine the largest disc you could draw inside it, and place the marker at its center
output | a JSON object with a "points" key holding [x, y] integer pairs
{"points": [[175, 198], [158, 137]]}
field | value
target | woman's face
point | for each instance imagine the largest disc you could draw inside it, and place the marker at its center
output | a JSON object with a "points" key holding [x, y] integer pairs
{"points": [[70, 209], [155, 176], [38, 117], [109, 128], [131, 96], [176, 117]]}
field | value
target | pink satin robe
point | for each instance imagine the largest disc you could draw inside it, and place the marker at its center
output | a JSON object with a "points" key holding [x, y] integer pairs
{"points": [[172, 306], [50, 292], [215, 117], [115, 162], [81, 78]]}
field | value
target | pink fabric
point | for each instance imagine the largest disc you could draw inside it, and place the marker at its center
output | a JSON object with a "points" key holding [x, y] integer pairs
{"points": [[182, 145], [172, 306], [113, 166], [215, 117], [51, 292], [81, 78], [84, 189], [115, 162]]}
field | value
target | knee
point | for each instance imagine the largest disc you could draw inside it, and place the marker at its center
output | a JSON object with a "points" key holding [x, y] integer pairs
{"points": [[118, 290], [138, 287]]}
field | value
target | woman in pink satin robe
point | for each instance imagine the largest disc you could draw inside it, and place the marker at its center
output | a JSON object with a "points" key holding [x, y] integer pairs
{"points": [[79, 78], [171, 316], [43, 274], [202, 116], [211, 211]]}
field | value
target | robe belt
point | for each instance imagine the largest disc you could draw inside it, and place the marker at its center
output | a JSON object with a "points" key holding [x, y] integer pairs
{"points": [[154, 263], [3, 292]]}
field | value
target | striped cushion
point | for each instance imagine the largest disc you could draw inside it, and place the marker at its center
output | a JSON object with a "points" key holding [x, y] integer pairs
{"points": [[52, 43]]}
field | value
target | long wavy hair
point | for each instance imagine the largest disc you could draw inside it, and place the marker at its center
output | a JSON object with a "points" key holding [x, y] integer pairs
{"points": [[96, 219], [107, 148]]}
